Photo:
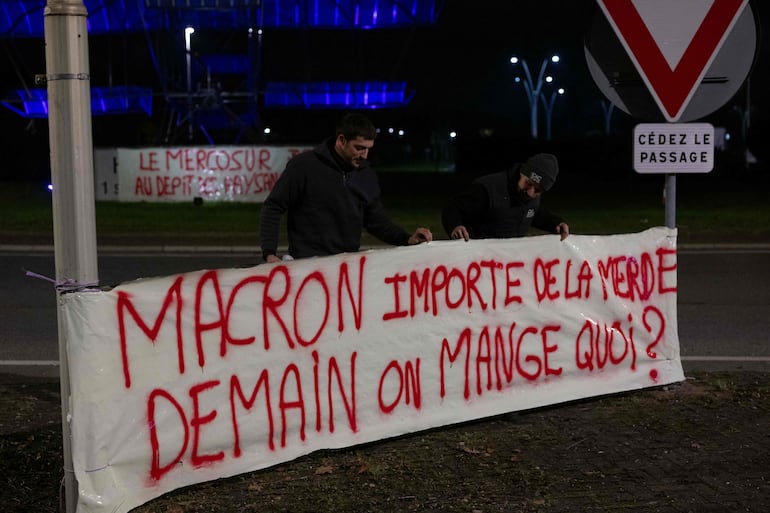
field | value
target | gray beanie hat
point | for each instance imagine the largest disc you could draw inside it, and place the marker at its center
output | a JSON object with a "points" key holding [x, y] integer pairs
{"points": [[542, 169]]}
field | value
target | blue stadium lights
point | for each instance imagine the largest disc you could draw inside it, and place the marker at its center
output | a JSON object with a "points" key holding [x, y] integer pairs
{"points": [[24, 18], [225, 91], [359, 95], [33, 103]]}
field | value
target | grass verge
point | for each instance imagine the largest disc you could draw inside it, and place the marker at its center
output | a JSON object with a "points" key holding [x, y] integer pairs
{"points": [[702, 217]]}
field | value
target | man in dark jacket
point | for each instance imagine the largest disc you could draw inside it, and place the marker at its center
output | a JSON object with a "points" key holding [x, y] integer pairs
{"points": [[506, 204], [330, 194]]}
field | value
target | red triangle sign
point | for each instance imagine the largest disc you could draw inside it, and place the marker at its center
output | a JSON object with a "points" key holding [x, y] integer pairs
{"points": [[672, 86]]}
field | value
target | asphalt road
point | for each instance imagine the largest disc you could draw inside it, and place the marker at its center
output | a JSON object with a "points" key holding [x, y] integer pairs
{"points": [[723, 303]]}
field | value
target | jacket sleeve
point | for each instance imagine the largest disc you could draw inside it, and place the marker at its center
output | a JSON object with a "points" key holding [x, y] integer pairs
{"points": [[378, 223], [546, 221], [273, 208], [465, 209]]}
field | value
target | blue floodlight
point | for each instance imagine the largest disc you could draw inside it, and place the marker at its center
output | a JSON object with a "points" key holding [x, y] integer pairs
{"points": [[23, 18], [357, 95], [33, 103]]}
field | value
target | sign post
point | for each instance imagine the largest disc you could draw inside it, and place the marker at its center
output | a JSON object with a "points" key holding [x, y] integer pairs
{"points": [[673, 148], [74, 219], [691, 61]]}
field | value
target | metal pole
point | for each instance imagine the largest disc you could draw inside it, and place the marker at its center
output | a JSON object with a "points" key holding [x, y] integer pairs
{"points": [[532, 91], [532, 99], [536, 94], [746, 125], [548, 107], [71, 153], [671, 201], [533, 88], [188, 31], [607, 109]]}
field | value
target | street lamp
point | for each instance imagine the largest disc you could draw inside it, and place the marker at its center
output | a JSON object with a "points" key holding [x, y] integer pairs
{"points": [[533, 87], [188, 31], [548, 106], [607, 109]]}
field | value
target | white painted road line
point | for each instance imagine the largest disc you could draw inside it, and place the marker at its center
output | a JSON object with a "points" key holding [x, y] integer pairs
{"points": [[29, 363], [725, 358]]}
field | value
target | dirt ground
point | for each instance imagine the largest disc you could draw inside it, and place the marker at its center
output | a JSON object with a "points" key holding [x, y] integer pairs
{"points": [[702, 445]]}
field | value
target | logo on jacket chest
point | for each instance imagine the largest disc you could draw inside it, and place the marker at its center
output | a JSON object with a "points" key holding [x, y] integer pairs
{"points": [[530, 213]]}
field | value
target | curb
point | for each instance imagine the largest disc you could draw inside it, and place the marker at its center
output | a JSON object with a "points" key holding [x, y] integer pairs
{"points": [[185, 248]]}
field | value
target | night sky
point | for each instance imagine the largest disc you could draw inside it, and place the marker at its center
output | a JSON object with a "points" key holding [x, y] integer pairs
{"points": [[457, 70]]}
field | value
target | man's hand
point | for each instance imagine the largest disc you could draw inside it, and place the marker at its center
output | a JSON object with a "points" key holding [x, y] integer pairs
{"points": [[420, 235], [270, 259], [563, 230], [460, 232]]}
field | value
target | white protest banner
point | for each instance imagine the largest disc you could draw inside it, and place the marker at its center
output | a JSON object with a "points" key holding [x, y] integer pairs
{"points": [[213, 173], [182, 379]]}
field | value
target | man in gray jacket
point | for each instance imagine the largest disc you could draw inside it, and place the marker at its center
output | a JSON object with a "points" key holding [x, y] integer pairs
{"points": [[330, 194], [506, 204]]}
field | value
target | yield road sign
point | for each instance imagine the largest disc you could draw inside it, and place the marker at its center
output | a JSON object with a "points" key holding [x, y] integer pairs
{"points": [[672, 43]]}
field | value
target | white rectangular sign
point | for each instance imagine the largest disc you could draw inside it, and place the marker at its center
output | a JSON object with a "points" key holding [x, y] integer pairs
{"points": [[197, 376], [673, 148], [213, 173]]}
